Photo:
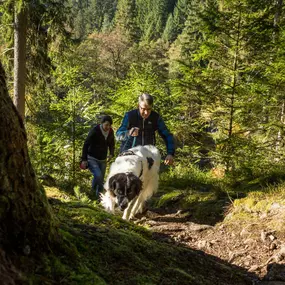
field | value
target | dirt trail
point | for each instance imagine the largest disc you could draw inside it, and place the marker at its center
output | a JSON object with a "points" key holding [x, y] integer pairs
{"points": [[253, 245]]}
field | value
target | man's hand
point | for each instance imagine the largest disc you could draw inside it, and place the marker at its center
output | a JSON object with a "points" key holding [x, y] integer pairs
{"points": [[168, 160], [134, 132], [84, 164]]}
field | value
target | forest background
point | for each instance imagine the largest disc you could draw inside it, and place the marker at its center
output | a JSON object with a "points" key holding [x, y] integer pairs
{"points": [[215, 68]]}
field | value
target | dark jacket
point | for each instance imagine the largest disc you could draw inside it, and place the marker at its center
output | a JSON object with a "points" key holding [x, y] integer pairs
{"points": [[147, 128], [97, 146]]}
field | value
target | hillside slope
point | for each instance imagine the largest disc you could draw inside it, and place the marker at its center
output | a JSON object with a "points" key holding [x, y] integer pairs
{"points": [[250, 234], [98, 248]]}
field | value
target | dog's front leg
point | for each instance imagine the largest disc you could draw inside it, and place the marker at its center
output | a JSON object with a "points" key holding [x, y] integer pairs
{"points": [[139, 204], [127, 211]]}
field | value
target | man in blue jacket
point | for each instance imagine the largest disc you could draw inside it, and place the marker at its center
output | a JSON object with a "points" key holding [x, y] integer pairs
{"points": [[139, 126]]}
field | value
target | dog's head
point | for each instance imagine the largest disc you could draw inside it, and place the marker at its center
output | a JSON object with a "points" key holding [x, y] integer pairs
{"points": [[125, 187]]}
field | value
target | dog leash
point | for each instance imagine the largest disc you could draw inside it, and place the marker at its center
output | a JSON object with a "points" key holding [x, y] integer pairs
{"points": [[134, 139]]}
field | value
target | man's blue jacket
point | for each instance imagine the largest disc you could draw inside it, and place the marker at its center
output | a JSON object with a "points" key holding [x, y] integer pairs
{"points": [[147, 128]]}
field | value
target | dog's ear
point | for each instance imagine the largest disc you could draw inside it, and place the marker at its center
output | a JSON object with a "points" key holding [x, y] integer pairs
{"points": [[113, 183], [134, 183], [116, 182]]}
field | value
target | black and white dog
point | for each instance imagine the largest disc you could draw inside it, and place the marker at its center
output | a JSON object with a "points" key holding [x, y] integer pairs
{"points": [[133, 178]]}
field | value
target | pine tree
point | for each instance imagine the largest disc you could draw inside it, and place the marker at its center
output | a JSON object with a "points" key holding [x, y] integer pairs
{"points": [[66, 111], [40, 25], [187, 85], [92, 16], [125, 19], [176, 20], [222, 72], [275, 69], [20, 45], [152, 17]]}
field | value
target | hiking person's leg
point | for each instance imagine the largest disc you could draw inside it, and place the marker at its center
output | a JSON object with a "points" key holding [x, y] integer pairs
{"points": [[102, 165], [97, 181]]}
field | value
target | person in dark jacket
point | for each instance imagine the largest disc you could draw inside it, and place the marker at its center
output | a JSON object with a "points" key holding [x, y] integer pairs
{"points": [[139, 126], [95, 150]]}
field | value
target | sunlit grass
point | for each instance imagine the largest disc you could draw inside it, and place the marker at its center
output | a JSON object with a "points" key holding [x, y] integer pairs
{"points": [[205, 195]]}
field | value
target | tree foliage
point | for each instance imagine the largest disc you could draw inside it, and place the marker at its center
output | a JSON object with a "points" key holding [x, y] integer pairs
{"points": [[215, 69]]}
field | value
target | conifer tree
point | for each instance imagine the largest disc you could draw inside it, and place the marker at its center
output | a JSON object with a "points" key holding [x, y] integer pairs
{"points": [[152, 17], [187, 84], [176, 20], [223, 71], [92, 16], [20, 43], [169, 33], [277, 62], [126, 19], [37, 25]]}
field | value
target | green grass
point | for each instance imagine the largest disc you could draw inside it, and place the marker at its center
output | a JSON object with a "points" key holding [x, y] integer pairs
{"points": [[207, 199], [264, 201]]}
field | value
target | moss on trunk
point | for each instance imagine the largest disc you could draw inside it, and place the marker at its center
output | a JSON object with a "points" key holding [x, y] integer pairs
{"points": [[26, 221]]}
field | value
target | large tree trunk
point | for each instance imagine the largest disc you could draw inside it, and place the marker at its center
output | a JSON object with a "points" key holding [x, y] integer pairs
{"points": [[26, 222], [20, 42]]}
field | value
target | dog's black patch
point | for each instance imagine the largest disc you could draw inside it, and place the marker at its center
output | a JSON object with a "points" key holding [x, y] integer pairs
{"points": [[150, 162]]}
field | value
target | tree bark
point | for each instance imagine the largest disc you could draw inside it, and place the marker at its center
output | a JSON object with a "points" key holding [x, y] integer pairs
{"points": [[26, 219], [278, 10], [20, 42]]}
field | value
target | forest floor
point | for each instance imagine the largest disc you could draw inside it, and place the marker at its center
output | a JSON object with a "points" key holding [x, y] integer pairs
{"points": [[248, 237], [186, 236], [100, 248]]}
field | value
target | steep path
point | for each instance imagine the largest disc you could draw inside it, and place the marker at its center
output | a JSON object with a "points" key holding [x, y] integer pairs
{"points": [[255, 243]]}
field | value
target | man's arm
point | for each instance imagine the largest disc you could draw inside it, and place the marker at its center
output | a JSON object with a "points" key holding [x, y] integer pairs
{"points": [[167, 136], [122, 132], [169, 141]]}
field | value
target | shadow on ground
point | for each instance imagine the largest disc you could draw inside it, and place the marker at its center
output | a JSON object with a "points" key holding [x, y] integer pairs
{"points": [[118, 253]]}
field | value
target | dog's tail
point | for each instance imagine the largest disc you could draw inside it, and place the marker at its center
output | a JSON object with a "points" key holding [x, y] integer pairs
{"points": [[107, 201]]}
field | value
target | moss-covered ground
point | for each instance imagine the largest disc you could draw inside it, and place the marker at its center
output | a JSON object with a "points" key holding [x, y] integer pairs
{"points": [[95, 247]]}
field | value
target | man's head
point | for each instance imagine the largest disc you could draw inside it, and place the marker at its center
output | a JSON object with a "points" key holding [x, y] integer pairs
{"points": [[145, 105], [106, 123]]}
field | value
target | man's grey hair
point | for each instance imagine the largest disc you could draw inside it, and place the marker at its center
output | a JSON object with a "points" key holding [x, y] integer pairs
{"points": [[146, 98]]}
